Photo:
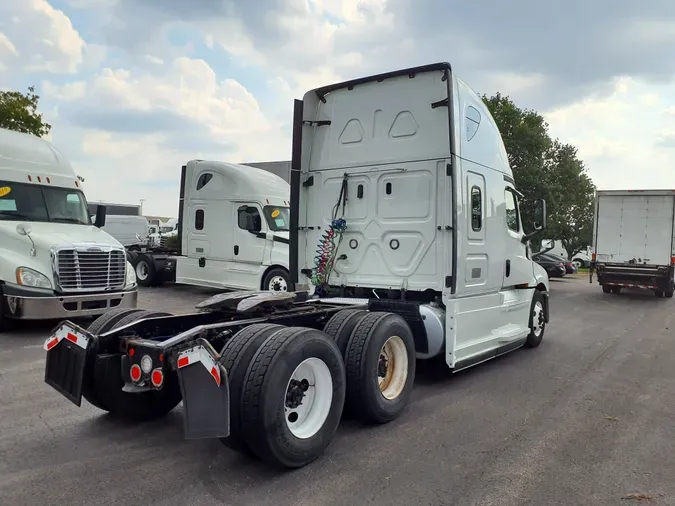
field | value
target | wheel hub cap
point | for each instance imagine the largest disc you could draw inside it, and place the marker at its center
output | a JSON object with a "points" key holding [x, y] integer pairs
{"points": [[308, 398], [278, 284], [392, 368]]}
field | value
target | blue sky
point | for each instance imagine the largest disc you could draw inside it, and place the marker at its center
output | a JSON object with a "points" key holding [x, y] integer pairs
{"points": [[135, 88]]}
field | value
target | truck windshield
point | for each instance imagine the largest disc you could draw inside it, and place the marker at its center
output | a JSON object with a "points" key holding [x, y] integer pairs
{"points": [[278, 218], [30, 202]]}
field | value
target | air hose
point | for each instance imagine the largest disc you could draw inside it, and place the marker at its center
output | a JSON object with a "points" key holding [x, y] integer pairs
{"points": [[329, 243]]}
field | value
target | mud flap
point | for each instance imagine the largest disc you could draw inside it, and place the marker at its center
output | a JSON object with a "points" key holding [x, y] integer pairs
{"points": [[206, 393], [67, 350]]}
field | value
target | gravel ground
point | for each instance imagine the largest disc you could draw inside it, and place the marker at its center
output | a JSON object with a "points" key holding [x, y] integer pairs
{"points": [[586, 418]]}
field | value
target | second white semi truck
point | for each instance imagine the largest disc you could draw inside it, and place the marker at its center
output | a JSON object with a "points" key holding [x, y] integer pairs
{"points": [[232, 231]]}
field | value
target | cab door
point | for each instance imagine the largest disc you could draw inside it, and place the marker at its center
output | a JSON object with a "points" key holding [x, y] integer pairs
{"points": [[250, 231], [517, 266]]}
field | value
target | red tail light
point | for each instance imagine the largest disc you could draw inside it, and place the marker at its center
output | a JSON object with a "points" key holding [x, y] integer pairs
{"points": [[135, 373], [157, 378]]}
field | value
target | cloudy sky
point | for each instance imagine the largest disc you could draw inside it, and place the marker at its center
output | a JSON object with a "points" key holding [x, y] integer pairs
{"points": [[134, 88]]}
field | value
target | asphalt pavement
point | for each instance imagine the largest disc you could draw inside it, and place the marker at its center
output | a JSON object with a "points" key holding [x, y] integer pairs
{"points": [[588, 418]]}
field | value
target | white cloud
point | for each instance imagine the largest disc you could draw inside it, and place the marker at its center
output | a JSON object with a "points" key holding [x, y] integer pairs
{"points": [[131, 131], [625, 139], [43, 38]]}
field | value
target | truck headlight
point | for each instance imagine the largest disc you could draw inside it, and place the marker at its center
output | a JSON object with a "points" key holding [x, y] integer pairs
{"points": [[34, 279], [130, 280]]}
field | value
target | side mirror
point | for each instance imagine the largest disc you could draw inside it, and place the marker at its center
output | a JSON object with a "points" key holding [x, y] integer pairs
{"points": [[100, 216], [251, 224], [539, 215], [539, 219], [23, 230]]}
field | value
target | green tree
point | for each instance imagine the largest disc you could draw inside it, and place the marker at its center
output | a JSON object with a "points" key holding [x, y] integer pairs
{"points": [[18, 111], [572, 197], [526, 139], [546, 168]]}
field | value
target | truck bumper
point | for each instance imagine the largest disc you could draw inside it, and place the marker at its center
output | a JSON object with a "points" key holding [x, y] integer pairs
{"points": [[653, 278], [25, 305]]}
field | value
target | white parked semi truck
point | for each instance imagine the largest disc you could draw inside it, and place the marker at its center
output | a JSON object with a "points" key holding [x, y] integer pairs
{"points": [[232, 231], [633, 240], [406, 242], [54, 262]]}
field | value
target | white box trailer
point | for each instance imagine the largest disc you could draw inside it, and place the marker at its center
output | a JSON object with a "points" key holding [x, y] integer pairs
{"points": [[633, 240]]}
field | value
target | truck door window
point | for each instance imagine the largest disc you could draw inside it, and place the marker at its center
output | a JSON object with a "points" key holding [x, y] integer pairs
{"points": [[512, 220], [476, 209], [199, 219], [249, 219], [203, 180]]}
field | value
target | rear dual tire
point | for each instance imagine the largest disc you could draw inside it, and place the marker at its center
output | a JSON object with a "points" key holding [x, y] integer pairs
{"points": [[379, 355], [293, 396]]}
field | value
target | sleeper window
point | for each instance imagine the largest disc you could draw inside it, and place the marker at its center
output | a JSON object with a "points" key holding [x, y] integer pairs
{"points": [[203, 180], [511, 211], [199, 219], [476, 209]]}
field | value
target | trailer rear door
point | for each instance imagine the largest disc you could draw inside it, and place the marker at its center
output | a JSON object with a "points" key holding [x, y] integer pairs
{"points": [[636, 228]]}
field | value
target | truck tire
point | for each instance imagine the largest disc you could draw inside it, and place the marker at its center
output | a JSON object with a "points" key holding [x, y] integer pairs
{"points": [[101, 325], [146, 273], [380, 365], [143, 406], [658, 293], [606, 289], [105, 322], [616, 289], [669, 294], [341, 325], [537, 321], [277, 280], [293, 397], [236, 357]]}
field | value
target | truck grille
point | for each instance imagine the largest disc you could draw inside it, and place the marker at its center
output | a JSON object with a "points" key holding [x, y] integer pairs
{"points": [[79, 270]]}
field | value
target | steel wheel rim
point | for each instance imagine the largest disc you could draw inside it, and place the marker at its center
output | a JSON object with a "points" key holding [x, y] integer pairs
{"points": [[142, 270], [538, 319], [278, 284], [309, 397], [392, 368]]}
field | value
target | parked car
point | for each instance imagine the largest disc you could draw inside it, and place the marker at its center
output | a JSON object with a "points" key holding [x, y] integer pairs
{"points": [[554, 267], [570, 267]]}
